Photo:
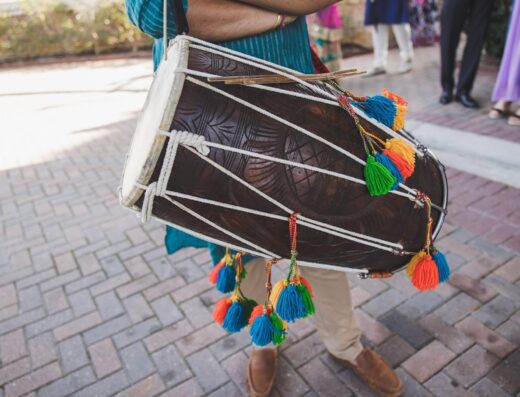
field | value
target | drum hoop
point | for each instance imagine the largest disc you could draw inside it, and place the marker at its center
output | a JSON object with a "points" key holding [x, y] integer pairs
{"points": [[159, 140]]}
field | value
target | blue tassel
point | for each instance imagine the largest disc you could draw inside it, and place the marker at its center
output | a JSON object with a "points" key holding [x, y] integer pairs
{"points": [[226, 279], [290, 305], [262, 330], [380, 108], [442, 266], [236, 318], [390, 166]]}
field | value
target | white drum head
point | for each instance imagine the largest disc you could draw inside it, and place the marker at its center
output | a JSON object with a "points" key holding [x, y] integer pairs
{"points": [[157, 113]]}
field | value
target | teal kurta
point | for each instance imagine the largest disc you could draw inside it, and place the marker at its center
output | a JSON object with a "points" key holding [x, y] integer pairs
{"points": [[287, 47]]}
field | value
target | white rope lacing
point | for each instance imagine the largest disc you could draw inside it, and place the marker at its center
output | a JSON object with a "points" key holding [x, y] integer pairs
{"points": [[149, 196], [358, 237], [219, 228], [363, 239], [252, 251], [412, 193], [286, 72], [197, 144]]}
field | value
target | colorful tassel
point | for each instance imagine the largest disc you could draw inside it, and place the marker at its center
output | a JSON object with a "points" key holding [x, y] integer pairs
{"points": [[307, 299], [262, 330], [290, 305], [305, 282], [405, 168], [258, 310], [384, 160], [425, 275], [402, 148], [220, 310], [378, 178], [401, 109], [237, 316], [442, 266], [410, 269], [213, 274], [277, 290], [267, 327], [280, 329], [380, 108], [223, 274], [226, 279]]}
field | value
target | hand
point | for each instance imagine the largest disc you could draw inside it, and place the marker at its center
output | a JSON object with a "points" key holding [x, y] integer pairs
{"points": [[289, 19]]}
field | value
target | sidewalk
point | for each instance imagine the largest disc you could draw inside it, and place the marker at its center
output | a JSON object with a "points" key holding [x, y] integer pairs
{"points": [[90, 305]]}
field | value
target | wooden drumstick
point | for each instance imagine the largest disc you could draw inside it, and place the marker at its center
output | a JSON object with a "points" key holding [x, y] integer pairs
{"points": [[277, 79]]}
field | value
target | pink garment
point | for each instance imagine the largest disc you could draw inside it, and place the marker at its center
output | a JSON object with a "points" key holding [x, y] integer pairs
{"points": [[329, 17], [507, 86]]}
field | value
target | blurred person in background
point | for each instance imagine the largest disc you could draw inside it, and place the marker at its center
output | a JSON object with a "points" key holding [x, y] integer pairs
{"points": [[380, 15], [423, 21], [326, 33], [507, 86], [455, 14]]}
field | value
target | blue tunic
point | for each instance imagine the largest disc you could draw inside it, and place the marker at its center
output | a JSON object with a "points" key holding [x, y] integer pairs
{"points": [[288, 47], [386, 12]]}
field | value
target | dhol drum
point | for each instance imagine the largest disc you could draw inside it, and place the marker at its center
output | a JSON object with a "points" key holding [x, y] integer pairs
{"points": [[232, 163]]}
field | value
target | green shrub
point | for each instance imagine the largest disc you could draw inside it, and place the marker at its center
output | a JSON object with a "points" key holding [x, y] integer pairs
{"points": [[51, 28]]}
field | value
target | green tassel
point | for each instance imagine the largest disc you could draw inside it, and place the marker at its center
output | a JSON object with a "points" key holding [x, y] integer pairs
{"points": [[307, 300], [379, 180], [280, 333]]}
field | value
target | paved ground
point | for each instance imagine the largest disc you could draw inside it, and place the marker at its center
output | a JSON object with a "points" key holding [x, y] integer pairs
{"points": [[90, 305]]}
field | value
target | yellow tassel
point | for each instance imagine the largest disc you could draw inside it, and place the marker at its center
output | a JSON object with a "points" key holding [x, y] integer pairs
{"points": [[399, 117], [277, 290], [413, 263], [400, 147], [401, 108]]}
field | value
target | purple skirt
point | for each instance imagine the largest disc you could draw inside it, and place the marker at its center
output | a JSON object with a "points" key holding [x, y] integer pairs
{"points": [[507, 86]]}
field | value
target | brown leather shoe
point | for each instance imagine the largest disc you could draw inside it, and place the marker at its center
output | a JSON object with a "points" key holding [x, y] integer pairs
{"points": [[376, 373], [261, 371]]}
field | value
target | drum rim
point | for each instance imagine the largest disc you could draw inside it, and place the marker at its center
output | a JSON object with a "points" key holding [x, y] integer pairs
{"points": [[179, 49]]}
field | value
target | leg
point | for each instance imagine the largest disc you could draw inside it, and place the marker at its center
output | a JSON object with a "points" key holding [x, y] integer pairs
{"points": [[380, 43], [453, 15], [253, 285], [339, 330], [403, 36], [479, 14], [335, 319]]}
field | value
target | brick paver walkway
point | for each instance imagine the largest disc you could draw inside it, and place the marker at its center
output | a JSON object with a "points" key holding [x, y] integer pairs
{"points": [[90, 305]]}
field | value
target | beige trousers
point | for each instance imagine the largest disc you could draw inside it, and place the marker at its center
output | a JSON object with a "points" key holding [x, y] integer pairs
{"points": [[334, 318]]}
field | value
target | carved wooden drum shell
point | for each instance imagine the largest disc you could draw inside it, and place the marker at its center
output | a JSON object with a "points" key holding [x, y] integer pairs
{"points": [[186, 106]]}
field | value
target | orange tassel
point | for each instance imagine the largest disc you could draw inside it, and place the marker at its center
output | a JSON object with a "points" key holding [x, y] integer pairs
{"points": [[410, 269], [394, 97], [220, 311], [405, 168], [213, 274], [426, 274], [258, 310]]}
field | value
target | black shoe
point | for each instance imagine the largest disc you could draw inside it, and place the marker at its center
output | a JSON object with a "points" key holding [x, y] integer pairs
{"points": [[446, 97], [466, 100]]}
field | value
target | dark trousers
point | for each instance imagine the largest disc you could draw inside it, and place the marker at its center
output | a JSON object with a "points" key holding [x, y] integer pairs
{"points": [[453, 18]]}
